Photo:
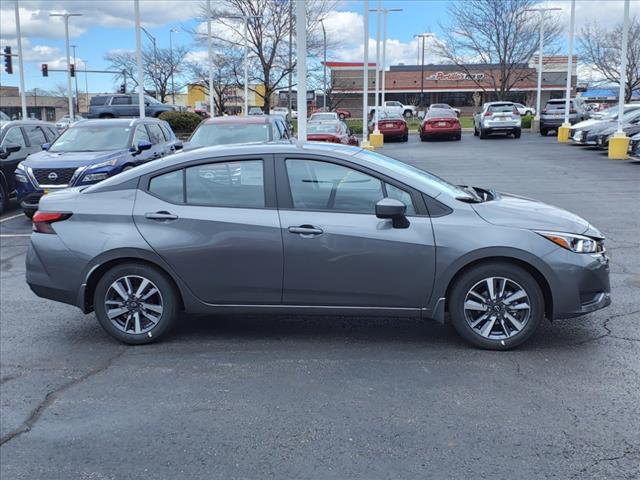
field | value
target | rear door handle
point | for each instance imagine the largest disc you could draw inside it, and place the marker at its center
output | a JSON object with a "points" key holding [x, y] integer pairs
{"points": [[162, 216], [306, 230]]}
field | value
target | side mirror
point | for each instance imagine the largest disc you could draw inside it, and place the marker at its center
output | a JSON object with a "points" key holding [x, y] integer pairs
{"points": [[178, 146], [46, 146], [9, 148], [390, 208], [142, 146]]}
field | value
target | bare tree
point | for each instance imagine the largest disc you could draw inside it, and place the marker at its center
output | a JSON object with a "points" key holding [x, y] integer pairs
{"points": [[498, 32], [158, 64], [224, 78], [268, 30], [601, 49]]}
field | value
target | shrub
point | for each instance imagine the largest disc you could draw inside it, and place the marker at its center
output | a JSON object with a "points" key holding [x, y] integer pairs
{"points": [[526, 121], [182, 122]]}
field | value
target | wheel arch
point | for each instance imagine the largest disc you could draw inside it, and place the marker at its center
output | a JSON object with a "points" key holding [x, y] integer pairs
{"points": [[99, 268], [540, 278]]}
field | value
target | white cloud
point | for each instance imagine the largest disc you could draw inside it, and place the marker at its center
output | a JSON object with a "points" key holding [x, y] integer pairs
{"points": [[197, 56], [607, 13]]}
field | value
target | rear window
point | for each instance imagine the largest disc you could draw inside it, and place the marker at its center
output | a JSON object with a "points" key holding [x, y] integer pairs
{"points": [[503, 107], [558, 105], [98, 101], [441, 113]]}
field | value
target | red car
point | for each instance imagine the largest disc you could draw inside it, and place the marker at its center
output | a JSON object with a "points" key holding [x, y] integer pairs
{"points": [[391, 126], [440, 123], [330, 131]]}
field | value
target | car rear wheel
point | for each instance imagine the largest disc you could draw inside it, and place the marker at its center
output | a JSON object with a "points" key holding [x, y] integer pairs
{"points": [[483, 133], [3, 199], [496, 306], [407, 114], [29, 213], [341, 116], [543, 132], [475, 131], [517, 133], [106, 115], [135, 303]]}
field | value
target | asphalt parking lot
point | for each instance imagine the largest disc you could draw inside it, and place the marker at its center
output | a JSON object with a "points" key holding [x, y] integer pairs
{"points": [[311, 397]]}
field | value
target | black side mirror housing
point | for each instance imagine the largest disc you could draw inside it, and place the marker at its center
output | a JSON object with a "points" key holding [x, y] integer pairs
{"points": [[142, 146], [9, 148], [178, 146], [395, 210], [46, 146]]}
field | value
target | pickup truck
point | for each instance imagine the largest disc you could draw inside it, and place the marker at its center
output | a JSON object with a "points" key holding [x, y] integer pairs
{"points": [[394, 107]]}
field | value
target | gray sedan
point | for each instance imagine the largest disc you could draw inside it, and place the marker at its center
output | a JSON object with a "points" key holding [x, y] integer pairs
{"points": [[313, 229]]}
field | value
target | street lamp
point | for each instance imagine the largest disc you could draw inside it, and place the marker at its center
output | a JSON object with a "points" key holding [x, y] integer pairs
{"points": [[66, 40], [365, 79], [23, 94], [324, 73], [619, 143], [155, 58], [422, 36], [384, 46], [212, 106], [542, 12], [563, 130], [246, 19], [75, 78], [136, 9], [173, 90]]}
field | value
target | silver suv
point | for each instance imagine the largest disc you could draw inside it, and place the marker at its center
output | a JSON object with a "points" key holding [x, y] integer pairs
{"points": [[552, 115], [497, 117]]}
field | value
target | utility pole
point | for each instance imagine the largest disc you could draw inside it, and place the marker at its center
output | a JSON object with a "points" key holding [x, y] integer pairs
{"points": [[301, 63], [136, 5], [290, 102], [212, 105], [75, 79], [384, 47], [173, 67], [377, 104], [23, 95], [324, 69], [542, 12], [619, 143], [66, 16], [563, 131], [422, 36], [365, 78]]}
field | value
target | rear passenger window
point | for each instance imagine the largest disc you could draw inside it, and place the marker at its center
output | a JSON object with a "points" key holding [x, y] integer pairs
{"points": [[169, 186], [226, 184], [121, 101], [98, 101], [167, 132], [36, 136]]}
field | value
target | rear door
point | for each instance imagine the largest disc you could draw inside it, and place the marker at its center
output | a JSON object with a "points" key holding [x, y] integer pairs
{"points": [[336, 251], [160, 147], [121, 106], [216, 224]]}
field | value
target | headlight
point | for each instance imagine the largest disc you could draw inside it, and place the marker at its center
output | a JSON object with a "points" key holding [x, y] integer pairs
{"points": [[21, 178], [21, 166], [575, 243], [95, 177], [110, 163]]}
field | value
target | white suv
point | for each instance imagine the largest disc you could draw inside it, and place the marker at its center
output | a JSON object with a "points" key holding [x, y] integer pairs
{"points": [[497, 117]]}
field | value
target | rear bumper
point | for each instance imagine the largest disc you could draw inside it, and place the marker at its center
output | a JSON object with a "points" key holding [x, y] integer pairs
{"points": [[434, 132], [556, 122]]}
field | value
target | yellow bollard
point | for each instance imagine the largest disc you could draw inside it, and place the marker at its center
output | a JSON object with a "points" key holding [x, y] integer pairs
{"points": [[619, 146], [376, 139], [563, 133], [366, 146]]}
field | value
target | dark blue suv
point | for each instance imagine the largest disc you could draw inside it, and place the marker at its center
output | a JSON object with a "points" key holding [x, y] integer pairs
{"points": [[90, 151]]}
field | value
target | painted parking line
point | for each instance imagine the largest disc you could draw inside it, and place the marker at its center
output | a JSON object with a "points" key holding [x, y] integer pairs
{"points": [[2, 220], [12, 235]]}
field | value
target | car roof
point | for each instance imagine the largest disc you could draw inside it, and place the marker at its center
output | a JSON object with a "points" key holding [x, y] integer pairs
{"points": [[123, 122], [504, 102], [24, 123], [240, 120]]}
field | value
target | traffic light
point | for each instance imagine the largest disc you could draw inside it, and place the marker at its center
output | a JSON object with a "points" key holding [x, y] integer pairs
{"points": [[72, 70], [45, 70], [123, 88], [8, 61]]}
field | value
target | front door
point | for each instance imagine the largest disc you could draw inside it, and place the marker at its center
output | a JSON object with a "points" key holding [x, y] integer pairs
{"points": [[217, 226], [337, 252]]}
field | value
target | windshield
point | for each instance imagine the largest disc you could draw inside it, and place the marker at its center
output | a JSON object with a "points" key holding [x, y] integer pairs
{"points": [[323, 116], [209, 135], [4, 117], [322, 128], [428, 179], [631, 116], [94, 138]]}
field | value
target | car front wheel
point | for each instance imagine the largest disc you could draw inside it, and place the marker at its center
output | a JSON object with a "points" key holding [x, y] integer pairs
{"points": [[135, 303], [496, 306]]}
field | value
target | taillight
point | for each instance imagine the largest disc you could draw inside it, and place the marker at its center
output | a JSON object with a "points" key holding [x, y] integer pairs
{"points": [[544, 110], [488, 114], [42, 221]]}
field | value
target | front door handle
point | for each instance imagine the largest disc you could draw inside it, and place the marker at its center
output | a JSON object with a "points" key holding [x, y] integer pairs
{"points": [[162, 216], [306, 230]]}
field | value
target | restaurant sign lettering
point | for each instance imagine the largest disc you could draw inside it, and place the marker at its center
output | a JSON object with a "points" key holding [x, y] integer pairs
{"points": [[454, 76]]}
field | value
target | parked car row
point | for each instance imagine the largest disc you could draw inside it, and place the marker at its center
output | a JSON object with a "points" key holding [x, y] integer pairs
{"points": [[552, 115], [597, 132]]}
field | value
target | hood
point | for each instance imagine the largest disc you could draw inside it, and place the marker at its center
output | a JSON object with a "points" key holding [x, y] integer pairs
{"points": [[47, 159], [601, 126], [508, 210], [587, 123]]}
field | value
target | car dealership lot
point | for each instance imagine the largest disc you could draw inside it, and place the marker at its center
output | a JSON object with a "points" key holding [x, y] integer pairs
{"points": [[314, 397]]}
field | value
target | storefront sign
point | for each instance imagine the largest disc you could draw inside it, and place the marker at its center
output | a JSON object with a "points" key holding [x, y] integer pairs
{"points": [[454, 76]]}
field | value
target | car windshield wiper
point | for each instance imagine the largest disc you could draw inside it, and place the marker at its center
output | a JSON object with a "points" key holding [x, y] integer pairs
{"points": [[475, 197]]}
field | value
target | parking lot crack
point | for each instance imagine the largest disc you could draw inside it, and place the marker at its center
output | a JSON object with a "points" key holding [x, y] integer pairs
{"points": [[628, 450], [609, 332], [53, 395]]}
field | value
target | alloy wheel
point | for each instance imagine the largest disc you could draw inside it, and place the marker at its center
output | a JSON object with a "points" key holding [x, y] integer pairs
{"points": [[133, 304], [497, 308]]}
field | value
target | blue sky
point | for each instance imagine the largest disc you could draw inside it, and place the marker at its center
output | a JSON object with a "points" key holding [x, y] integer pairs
{"points": [[107, 26]]}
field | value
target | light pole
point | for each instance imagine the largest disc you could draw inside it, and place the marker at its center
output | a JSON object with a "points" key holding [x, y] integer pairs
{"points": [[563, 131], [290, 100], [365, 79], [23, 94], [301, 52], [378, 139], [384, 47], [324, 69], [542, 12], [75, 78], [136, 7], [246, 19], [66, 16], [155, 58], [619, 143], [422, 36], [173, 90], [212, 105]]}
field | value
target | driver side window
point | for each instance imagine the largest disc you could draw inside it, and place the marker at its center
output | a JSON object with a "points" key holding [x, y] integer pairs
{"points": [[140, 134], [14, 135]]}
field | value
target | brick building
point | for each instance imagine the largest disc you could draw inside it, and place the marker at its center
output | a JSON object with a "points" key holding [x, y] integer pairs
{"points": [[447, 83], [43, 107]]}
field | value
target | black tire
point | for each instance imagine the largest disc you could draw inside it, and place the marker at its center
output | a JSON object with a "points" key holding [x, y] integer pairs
{"points": [[169, 298], [483, 134], [517, 133], [29, 213], [458, 137], [407, 114], [423, 138], [405, 138], [475, 276], [106, 115], [475, 131], [341, 116], [543, 132], [3, 199]]}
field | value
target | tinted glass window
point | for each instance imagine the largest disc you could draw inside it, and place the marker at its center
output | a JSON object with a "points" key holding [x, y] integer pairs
{"points": [[98, 100], [52, 133], [168, 186], [326, 186], [155, 133], [227, 184], [508, 107], [14, 135], [441, 113], [167, 132], [404, 197], [207, 135], [36, 136], [121, 101], [92, 138], [140, 134]]}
